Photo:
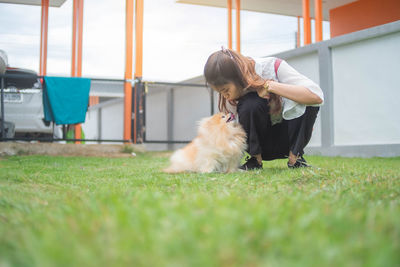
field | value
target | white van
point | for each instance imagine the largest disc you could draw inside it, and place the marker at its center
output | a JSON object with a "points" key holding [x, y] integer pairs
{"points": [[23, 105]]}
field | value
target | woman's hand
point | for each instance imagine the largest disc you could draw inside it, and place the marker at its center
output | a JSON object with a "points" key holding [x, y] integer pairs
{"points": [[264, 92]]}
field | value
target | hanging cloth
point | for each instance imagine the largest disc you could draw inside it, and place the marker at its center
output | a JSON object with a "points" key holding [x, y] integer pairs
{"points": [[65, 100]]}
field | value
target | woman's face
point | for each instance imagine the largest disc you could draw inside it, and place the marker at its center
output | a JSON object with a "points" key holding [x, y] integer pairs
{"points": [[229, 91]]}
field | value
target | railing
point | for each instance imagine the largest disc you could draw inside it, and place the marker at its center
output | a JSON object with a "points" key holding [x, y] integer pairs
{"points": [[170, 89], [38, 77], [139, 112]]}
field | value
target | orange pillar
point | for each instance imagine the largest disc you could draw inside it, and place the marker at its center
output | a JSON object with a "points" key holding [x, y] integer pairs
{"points": [[138, 60], [306, 22], [229, 7], [238, 26], [77, 33], [318, 20], [139, 38], [43, 37], [128, 69], [73, 52], [80, 38]]}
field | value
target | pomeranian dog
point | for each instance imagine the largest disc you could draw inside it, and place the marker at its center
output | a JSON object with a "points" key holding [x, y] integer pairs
{"points": [[218, 147]]}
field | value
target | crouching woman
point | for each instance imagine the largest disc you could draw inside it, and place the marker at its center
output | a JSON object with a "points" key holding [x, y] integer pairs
{"points": [[276, 105]]}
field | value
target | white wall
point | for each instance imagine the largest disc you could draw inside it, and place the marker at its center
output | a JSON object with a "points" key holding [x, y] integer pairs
{"points": [[90, 125], [156, 118], [366, 80], [112, 121], [189, 105]]}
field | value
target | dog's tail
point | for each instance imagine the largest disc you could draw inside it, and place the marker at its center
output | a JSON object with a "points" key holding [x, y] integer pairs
{"points": [[176, 163]]}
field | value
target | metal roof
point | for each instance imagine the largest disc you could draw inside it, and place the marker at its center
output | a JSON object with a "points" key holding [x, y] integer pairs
{"points": [[281, 7], [52, 3]]}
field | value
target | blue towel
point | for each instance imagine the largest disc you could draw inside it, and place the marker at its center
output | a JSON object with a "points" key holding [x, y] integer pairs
{"points": [[65, 100]]}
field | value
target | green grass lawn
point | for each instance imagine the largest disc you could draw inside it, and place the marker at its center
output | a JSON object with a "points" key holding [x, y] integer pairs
{"points": [[77, 211]]}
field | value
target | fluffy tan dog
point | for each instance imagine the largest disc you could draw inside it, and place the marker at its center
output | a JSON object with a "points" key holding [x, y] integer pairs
{"points": [[218, 147]]}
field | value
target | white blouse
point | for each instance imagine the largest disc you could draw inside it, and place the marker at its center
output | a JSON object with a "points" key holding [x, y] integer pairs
{"points": [[265, 67]]}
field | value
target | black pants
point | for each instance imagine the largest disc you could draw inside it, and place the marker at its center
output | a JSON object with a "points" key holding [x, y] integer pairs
{"points": [[273, 141]]}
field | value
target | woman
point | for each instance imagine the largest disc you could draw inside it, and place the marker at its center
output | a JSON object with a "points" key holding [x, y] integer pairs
{"points": [[276, 105]]}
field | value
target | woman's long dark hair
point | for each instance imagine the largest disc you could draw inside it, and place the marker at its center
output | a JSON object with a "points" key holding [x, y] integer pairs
{"points": [[226, 66]]}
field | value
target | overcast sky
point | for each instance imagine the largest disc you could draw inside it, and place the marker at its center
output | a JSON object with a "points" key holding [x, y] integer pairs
{"points": [[178, 38]]}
